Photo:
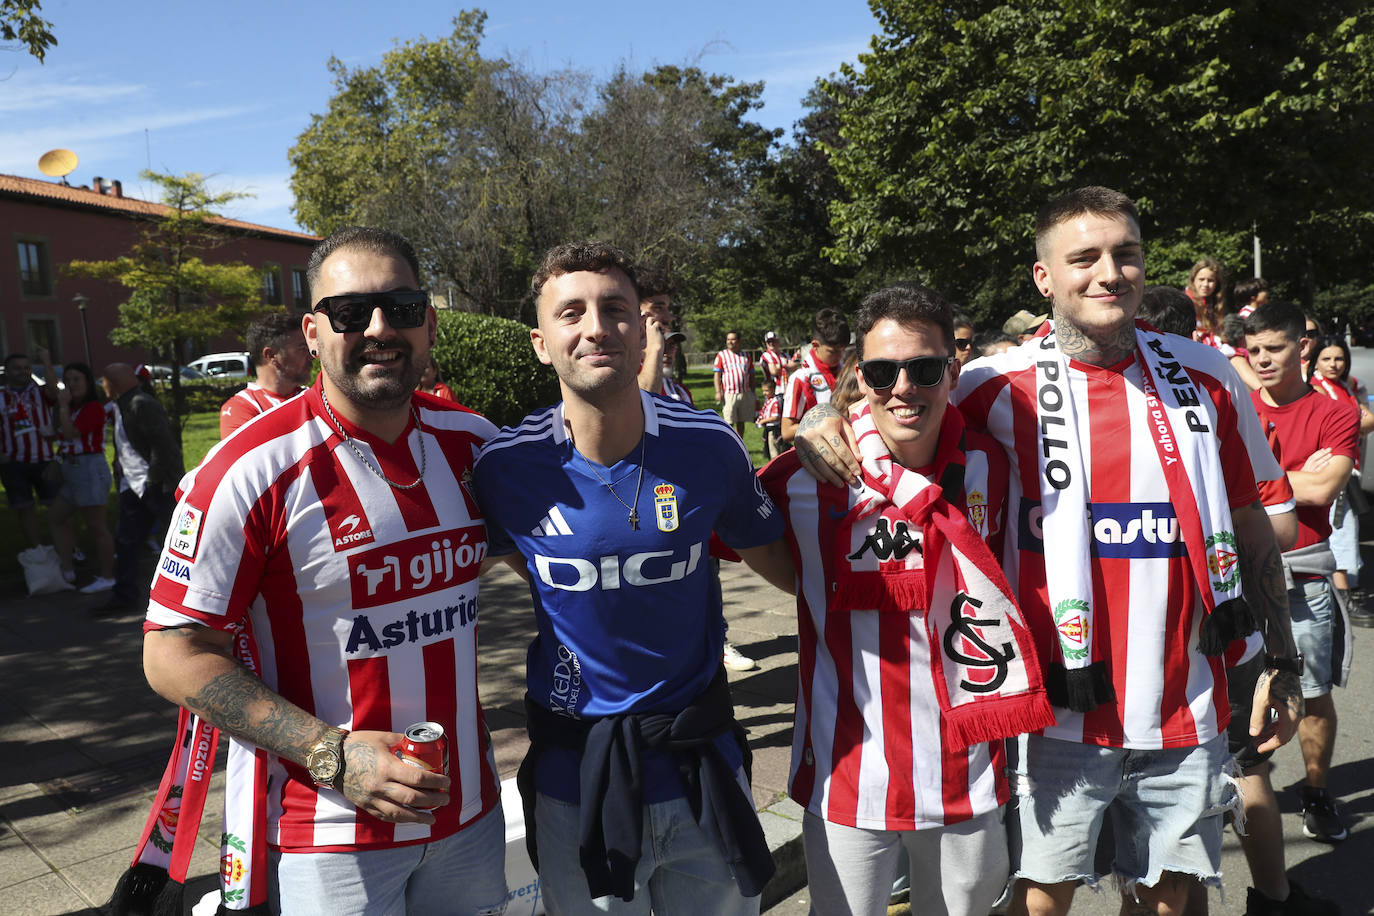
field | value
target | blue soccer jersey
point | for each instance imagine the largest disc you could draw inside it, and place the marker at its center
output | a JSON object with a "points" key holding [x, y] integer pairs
{"points": [[627, 618]]}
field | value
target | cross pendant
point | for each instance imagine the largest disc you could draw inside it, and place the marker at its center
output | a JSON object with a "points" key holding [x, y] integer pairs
{"points": [[634, 519]]}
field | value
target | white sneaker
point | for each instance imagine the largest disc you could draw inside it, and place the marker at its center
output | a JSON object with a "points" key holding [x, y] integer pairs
{"points": [[99, 585], [736, 662]]}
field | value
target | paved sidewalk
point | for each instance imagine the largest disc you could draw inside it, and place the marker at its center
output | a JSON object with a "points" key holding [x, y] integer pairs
{"points": [[84, 740]]}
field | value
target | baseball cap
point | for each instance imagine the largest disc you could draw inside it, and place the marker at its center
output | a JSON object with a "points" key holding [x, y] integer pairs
{"points": [[672, 336], [771, 335], [1023, 322]]}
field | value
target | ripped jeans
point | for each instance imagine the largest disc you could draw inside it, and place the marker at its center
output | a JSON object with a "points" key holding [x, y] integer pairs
{"points": [[1166, 808]]}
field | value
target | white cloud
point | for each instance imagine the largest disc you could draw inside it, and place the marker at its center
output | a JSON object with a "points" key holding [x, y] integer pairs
{"points": [[24, 94]]}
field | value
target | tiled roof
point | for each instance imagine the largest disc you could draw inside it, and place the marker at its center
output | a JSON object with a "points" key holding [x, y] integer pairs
{"points": [[14, 186]]}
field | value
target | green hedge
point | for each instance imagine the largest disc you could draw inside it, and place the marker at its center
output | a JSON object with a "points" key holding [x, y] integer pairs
{"points": [[490, 365]]}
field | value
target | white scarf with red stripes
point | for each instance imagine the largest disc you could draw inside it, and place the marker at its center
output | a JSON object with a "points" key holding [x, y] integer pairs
{"points": [[984, 669], [1188, 451]]}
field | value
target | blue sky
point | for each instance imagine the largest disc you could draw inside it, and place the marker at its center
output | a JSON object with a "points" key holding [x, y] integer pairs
{"points": [[224, 89]]}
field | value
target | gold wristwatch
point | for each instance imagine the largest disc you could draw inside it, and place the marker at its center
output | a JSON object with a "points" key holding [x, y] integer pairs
{"points": [[325, 759]]}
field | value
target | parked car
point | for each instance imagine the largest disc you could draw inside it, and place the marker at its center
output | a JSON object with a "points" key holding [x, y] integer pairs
{"points": [[164, 373], [223, 365]]}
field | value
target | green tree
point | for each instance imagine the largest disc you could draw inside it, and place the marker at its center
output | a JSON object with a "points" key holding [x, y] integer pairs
{"points": [[175, 295], [971, 114], [465, 156], [19, 21]]}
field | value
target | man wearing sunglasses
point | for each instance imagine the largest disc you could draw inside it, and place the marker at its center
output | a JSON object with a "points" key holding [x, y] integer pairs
{"points": [[888, 710], [1134, 461], [317, 595]]}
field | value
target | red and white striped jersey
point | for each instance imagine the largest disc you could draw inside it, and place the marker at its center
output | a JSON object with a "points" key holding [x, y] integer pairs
{"points": [[25, 420], [808, 386], [735, 368], [770, 411], [774, 365], [866, 741], [245, 405], [362, 598], [1146, 607]]}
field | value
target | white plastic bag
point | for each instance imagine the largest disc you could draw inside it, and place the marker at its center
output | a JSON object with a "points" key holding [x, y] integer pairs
{"points": [[42, 572]]}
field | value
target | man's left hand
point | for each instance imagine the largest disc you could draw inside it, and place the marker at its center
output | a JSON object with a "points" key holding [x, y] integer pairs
{"points": [[1281, 692]]}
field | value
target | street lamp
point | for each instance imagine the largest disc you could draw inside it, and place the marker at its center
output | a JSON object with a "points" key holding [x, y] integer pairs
{"points": [[80, 299]]}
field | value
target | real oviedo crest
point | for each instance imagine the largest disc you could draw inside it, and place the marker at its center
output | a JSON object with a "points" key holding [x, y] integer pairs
{"points": [[665, 507]]}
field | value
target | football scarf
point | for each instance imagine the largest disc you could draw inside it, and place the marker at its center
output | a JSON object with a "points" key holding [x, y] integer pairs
{"points": [[983, 664], [156, 881], [1180, 428]]}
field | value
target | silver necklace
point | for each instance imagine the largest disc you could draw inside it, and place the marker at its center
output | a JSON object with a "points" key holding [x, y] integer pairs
{"points": [[363, 458], [633, 517]]}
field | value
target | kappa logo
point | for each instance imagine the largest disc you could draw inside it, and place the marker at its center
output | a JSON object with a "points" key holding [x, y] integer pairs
{"points": [[888, 541]]}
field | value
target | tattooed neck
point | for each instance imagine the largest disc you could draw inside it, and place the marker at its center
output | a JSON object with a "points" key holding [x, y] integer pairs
{"points": [[1108, 350]]}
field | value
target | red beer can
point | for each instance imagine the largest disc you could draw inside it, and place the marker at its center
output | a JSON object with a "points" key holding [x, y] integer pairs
{"points": [[424, 746]]}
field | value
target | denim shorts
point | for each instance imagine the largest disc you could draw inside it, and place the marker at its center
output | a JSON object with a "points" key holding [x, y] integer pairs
{"points": [[85, 480], [1166, 809], [1313, 610]]}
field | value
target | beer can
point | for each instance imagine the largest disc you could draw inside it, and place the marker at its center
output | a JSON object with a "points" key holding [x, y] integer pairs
{"points": [[424, 746]]}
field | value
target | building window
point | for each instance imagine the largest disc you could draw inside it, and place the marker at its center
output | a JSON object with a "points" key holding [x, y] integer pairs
{"points": [[41, 331], [271, 284], [35, 272], [300, 289]]}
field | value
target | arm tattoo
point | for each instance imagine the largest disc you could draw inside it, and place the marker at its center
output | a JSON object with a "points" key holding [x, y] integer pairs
{"points": [[1261, 577], [816, 415], [1077, 345], [1286, 689], [242, 705]]}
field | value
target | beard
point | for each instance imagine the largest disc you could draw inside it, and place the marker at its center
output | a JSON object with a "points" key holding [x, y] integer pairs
{"points": [[377, 391]]}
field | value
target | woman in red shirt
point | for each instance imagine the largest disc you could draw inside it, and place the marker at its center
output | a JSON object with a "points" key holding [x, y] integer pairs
{"points": [[86, 478], [1330, 367]]}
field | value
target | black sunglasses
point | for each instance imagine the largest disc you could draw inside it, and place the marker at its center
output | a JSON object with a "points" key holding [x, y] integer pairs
{"points": [[352, 312], [963, 343], [921, 371]]}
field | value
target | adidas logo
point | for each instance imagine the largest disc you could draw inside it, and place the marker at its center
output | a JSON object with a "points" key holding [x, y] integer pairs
{"points": [[551, 524]]}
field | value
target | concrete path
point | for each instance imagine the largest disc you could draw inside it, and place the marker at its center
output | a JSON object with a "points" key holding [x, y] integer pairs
{"points": [[83, 742]]}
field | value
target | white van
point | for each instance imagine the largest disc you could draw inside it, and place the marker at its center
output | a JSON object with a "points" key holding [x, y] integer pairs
{"points": [[223, 365]]}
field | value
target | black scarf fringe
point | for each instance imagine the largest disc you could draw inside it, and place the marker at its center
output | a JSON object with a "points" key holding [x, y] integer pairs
{"points": [[1079, 689], [1231, 620]]}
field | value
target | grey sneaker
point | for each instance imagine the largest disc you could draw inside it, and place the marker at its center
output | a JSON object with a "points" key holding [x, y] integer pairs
{"points": [[1320, 819]]}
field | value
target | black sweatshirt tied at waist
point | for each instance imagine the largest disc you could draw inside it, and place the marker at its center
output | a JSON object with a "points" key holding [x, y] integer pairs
{"points": [[611, 818]]}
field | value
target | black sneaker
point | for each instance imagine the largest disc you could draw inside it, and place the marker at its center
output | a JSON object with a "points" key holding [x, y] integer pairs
{"points": [[1297, 904], [1320, 820], [1358, 609]]}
